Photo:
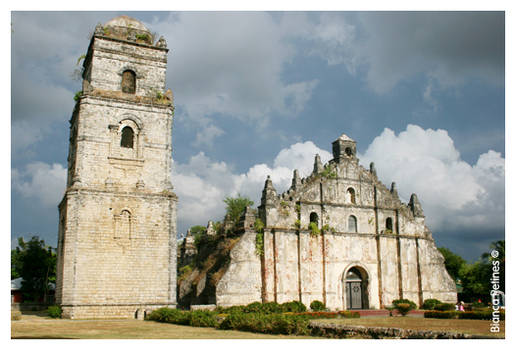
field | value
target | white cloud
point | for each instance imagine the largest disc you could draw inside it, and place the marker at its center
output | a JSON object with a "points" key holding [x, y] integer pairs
{"points": [[202, 183], [453, 193], [231, 64], [41, 181]]}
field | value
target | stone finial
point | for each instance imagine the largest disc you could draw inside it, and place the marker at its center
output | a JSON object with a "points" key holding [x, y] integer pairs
{"points": [[99, 30], [210, 229], [248, 218], [372, 168], [415, 206], [161, 42], [394, 190], [318, 167], [296, 180], [169, 95], [189, 238], [269, 192]]}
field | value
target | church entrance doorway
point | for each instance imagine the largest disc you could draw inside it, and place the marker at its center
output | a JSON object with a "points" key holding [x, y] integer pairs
{"points": [[356, 289]]}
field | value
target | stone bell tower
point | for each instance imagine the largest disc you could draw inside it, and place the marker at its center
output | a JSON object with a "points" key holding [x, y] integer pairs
{"points": [[117, 220]]}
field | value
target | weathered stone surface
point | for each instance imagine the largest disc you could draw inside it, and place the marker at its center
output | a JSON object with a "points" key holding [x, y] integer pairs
{"points": [[117, 232]]}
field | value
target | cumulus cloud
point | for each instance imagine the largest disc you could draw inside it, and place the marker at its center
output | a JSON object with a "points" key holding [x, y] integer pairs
{"points": [[216, 69], [45, 49], [40, 181], [203, 183], [454, 194]]}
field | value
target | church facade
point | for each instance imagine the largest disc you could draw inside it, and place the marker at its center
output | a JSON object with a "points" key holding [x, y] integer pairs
{"points": [[338, 236], [117, 220]]}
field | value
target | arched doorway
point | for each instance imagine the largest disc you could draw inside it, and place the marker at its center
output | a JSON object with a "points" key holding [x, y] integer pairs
{"points": [[355, 289]]}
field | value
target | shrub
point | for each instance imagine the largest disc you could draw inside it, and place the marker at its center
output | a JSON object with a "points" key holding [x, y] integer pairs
{"points": [[317, 305], [403, 308], [429, 304], [314, 230], [202, 318], [54, 311], [197, 318], [479, 315], [267, 323], [440, 314], [293, 306], [168, 315], [349, 314], [229, 310], [264, 308], [444, 307], [404, 301], [477, 305]]}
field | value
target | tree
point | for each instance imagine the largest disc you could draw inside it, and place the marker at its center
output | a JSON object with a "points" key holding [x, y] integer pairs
{"points": [[475, 281], [35, 262], [499, 246], [235, 207], [452, 262]]}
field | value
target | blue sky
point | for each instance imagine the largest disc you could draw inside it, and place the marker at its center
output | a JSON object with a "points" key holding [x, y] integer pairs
{"points": [[260, 93]]}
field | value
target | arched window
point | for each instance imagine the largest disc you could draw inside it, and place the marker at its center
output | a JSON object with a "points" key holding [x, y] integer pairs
{"points": [[351, 195], [348, 151], [352, 224], [314, 218], [127, 139], [129, 82], [388, 225]]}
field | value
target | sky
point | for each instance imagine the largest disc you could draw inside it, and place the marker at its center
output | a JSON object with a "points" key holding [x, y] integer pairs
{"points": [[260, 93]]}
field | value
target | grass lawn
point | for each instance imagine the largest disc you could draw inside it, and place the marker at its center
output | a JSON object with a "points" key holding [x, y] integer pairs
{"points": [[36, 326], [480, 327]]}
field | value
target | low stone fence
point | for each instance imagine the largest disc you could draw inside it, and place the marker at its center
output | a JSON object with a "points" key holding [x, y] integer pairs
{"points": [[29, 306], [209, 307], [332, 330]]}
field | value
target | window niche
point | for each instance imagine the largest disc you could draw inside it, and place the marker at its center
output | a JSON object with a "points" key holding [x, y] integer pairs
{"points": [[350, 196], [388, 225], [352, 224], [314, 218], [126, 140], [129, 82]]}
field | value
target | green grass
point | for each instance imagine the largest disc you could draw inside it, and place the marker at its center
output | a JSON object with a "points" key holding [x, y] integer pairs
{"points": [[42, 327]]}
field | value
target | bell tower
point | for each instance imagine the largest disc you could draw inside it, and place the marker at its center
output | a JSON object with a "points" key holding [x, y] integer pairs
{"points": [[117, 220]]}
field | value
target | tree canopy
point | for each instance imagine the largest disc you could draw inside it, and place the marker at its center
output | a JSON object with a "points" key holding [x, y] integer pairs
{"points": [[475, 278], [35, 262], [452, 262], [235, 206]]}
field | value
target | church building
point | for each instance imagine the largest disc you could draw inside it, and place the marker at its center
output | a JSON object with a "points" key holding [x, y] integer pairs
{"points": [[339, 236]]}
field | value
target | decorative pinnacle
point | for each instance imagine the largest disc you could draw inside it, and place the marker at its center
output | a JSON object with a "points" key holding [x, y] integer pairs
{"points": [[318, 167], [296, 181], [415, 206]]}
